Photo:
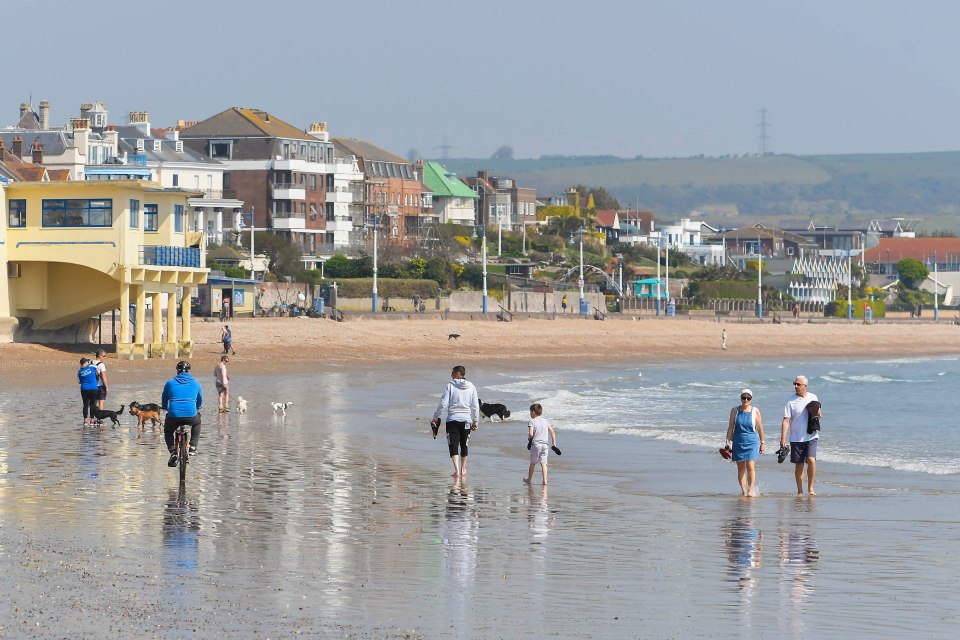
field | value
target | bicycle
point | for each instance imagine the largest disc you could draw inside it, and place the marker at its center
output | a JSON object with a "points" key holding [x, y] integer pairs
{"points": [[181, 446]]}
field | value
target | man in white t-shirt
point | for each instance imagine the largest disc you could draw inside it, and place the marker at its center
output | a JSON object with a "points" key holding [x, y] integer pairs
{"points": [[803, 444]]}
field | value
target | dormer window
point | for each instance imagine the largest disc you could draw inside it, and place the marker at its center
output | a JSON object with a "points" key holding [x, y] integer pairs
{"points": [[140, 144], [179, 146], [221, 149], [157, 145]]}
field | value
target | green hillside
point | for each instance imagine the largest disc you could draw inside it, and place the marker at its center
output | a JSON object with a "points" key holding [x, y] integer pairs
{"points": [[830, 188]]}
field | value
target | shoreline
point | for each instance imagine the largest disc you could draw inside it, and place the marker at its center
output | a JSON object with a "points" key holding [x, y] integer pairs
{"points": [[279, 344]]}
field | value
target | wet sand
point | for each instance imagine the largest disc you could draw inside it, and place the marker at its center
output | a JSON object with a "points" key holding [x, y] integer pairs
{"points": [[341, 520]]}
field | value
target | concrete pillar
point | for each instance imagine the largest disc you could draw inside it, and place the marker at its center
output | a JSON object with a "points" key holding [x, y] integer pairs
{"points": [[124, 314], [186, 341], [170, 347], [156, 343], [139, 349]]}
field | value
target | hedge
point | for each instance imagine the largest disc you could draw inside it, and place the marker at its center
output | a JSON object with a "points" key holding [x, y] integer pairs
{"points": [[386, 288], [838, 308]]}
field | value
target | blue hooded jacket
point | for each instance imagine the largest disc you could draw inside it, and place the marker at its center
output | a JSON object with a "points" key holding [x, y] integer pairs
{"points": [[182, 396], [87, 376]]}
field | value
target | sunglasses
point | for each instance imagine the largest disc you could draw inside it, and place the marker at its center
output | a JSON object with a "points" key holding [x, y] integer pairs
{"points": [[746, 398]]}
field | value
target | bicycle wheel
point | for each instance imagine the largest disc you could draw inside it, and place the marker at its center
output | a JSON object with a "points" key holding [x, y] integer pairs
{"points": [[182, 458]]}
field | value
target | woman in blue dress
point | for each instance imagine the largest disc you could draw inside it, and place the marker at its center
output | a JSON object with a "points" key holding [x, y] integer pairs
{"points": [[745, 437]]}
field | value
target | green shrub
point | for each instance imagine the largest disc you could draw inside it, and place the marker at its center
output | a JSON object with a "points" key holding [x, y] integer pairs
{"points": [[386, 288], [838, 308]]}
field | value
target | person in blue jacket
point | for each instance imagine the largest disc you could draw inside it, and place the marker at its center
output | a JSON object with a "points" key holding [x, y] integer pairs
{"points": [[182, 399], [87, 377]]}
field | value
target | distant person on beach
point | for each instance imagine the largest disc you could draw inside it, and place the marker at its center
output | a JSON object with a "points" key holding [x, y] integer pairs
{"points": [[417, 302], [462, 406], [563, 303], [745, 437], [87, 377], [225, 310], [796, 310], [101, 377], [222, 379], [803, 445], [541, 436], [226, 336], [723, 339]]}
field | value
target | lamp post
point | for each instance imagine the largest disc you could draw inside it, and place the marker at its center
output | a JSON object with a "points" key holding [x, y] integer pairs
{"points": [[580, 281], [499, 229], [936, 289], [849, 287], [374, 300], [759, 278], [667, 279], [620, 264], [483, 231], [659, 239]]}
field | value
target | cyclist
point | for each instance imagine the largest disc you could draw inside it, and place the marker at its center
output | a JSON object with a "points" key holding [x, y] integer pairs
{"points": [[182, 399]]}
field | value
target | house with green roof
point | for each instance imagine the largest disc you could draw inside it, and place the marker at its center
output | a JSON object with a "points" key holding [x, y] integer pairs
{"points": [[453, 201]]}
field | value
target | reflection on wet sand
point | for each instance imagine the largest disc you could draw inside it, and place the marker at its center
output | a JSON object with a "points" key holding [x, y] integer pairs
{"points": [[799, 555], [181, 534], [744, 544]]}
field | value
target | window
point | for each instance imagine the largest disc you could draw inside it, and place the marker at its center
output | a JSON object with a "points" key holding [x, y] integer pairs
{"points": [[221, 149], [134, 214], [176, 180], [178, 218], [313, 210], [17, 213], [313, 182], [150, 217], [77, 213]]}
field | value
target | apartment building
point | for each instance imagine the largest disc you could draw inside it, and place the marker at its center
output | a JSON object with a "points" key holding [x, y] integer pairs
{"points": [[282, 174], [394, 194], [502, 202]]}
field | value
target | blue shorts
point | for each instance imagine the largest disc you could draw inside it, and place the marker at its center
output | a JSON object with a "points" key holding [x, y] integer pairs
{"points": [[101, 393], [800, 451]]}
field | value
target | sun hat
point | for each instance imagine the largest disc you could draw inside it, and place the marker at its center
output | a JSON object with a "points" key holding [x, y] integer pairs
{"points": [[747, 392]]}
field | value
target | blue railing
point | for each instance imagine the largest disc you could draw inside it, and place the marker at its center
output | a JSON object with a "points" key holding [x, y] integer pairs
{"points": [[162, 256]]}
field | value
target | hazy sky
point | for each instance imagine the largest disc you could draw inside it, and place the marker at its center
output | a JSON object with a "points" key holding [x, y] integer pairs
{"points": [[664, 78]]}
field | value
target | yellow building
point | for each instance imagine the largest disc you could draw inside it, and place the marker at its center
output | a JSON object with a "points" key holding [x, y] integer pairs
{"points": [[73, 250]]}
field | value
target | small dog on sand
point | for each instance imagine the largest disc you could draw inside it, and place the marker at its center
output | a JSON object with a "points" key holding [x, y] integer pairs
{"points": [[281, 407], [241, 405], [452, 336], [143, 412]]}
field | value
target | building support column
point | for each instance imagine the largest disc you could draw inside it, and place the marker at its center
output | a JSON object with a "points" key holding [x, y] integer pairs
{"points": [[186, 341], [124, 349], [156, 343], [139, 342], [170, 345]]}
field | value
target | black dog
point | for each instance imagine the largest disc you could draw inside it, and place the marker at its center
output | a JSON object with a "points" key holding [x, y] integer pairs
{"points": [[490, 410], [146, 406], [101, 414]]}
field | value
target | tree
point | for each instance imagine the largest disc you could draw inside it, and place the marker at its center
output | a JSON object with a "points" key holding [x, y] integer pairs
{"points": [[285, 258], [601, 198], [912, 272]]}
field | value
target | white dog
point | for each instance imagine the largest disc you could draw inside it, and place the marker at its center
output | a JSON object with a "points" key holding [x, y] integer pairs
{"points": [[281, 407], [241, 405]]}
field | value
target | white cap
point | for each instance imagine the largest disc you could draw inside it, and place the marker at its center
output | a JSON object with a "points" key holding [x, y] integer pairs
{"points": [[747, 392]]}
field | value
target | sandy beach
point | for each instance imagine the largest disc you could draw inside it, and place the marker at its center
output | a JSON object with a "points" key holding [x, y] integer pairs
{"points": [[279, 344]]}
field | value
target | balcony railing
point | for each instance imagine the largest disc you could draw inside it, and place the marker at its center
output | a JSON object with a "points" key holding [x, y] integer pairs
{"points": [[164, 256]]}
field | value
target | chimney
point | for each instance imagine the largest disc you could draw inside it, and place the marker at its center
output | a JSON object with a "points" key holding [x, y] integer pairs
{"points": [[141, 120], [37, 151], [17, 149], [319, 130], [24, 107], [44, 115]]}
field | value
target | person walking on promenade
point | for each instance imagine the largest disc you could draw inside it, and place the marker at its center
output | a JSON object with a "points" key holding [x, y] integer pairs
{"points": [[87, 377], [803, 445], [541, 437], [222, 379], [460, 402], [563, 303], [101, 377], [226, 336], [723, 339], [745, 438]]}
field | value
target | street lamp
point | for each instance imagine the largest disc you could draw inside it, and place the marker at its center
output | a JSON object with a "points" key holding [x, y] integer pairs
{"points": [[936, 289], [374, 300], [580, 281], [483, 232], [659, 240], [667, 280], [759, 278], [849, 287]]}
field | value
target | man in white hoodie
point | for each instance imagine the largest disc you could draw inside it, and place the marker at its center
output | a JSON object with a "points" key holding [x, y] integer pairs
{"points": [[462, 406]]}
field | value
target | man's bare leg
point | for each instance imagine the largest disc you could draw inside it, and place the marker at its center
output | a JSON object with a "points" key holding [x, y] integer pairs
{"points": [[811, 473], [798, 474], [456, 466], [530, 471]]}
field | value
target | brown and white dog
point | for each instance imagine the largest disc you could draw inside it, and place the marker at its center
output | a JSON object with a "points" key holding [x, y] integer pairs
{"points": [[147, 411]]}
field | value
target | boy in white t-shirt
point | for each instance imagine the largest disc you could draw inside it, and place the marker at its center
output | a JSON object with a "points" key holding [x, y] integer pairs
{"points": [[541, 435]]}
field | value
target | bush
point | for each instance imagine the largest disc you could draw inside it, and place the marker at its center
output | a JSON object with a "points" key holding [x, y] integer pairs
{"points": [[838, 309], [386, 288]]}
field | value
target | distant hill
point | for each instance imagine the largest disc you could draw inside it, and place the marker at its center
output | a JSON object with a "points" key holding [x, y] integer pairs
{"points": [[828, 188]]}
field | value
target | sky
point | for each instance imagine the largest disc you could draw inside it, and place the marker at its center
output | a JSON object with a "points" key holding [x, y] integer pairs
{"points": [[670, 78]]}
